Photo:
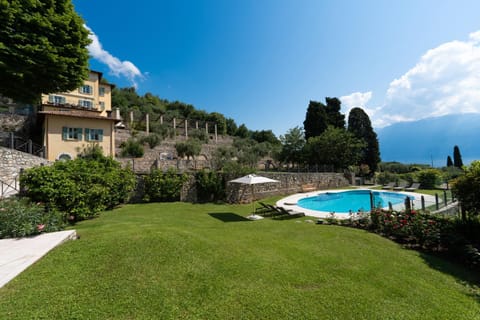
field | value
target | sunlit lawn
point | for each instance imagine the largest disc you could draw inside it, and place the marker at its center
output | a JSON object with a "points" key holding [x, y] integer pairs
{"points": [[185, 261]]}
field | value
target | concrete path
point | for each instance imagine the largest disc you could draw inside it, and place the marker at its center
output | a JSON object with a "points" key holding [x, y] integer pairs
{"points": [[17, 255]]}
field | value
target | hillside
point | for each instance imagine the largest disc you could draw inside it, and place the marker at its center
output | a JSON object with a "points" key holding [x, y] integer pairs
{"points": [[432, 139]]}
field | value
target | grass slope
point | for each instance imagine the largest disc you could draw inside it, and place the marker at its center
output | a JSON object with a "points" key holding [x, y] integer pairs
{"points": [[184, 261]]}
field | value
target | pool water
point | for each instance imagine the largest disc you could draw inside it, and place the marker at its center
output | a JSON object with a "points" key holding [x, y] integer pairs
{"points": [[354, 200]]}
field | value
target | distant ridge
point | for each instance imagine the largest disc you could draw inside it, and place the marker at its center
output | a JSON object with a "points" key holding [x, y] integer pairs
{"points": [[431, 140]]}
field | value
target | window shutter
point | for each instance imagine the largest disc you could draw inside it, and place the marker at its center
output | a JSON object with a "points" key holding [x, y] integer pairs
{"points": [[79, 133], [51, 98], [65, 133], [87, 134], [63, 99], [100, 135]]}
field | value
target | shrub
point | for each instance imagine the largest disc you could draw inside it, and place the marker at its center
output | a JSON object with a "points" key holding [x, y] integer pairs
{"points": [[132, 148], [163, 186], [386, 177], [210, 186], [152, 140], [428, 178], [82, 187], [20, 218], [467, 189]]}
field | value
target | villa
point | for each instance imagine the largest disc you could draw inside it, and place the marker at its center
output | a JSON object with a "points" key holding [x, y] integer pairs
{"points": [[73, 120]]}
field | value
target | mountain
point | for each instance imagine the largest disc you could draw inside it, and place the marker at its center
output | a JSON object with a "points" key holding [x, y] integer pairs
{"points": [[431, 140]]}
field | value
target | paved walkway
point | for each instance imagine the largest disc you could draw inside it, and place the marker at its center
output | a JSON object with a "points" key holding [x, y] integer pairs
{"points": [[17, 255]]}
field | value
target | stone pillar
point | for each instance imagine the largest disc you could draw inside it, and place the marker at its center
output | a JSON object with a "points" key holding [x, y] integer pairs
{"points": [[147, 124], [216, 135], [161, 119], [131, 118], [206, 127], [196, 125], [117, 114], [186, 129]]}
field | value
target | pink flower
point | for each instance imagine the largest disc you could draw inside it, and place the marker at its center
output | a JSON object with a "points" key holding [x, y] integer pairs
{"points": [[40, 227]]}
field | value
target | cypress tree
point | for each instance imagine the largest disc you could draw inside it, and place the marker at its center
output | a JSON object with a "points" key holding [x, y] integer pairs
{"points": [[457, 157], [449, 162], [315, 120], [359, 124]]}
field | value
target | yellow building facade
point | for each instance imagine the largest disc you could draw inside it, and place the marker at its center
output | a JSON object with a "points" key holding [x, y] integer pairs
{"points": [[76, 119]]}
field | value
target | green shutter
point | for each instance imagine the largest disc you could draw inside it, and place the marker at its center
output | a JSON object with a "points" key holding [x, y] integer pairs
{"points": [[100, 135], [87, 134], [51, 98], [79, 133], [65, 133]]}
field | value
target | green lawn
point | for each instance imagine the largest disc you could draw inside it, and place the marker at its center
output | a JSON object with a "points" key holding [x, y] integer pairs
{"points": [[185, 261]]}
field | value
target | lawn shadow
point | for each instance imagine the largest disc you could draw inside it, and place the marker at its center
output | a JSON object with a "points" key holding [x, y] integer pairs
{"points": [[465, 275], [228, 217]]}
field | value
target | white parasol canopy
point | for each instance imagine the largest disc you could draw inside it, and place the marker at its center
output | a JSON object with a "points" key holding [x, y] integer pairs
{"points": [[253, 179]]}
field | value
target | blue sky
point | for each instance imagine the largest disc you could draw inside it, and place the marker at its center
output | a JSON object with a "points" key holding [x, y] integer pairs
{"points": [[261, 62]]}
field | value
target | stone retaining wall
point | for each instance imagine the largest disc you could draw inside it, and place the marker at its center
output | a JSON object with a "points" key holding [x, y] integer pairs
{"points": [[11, 161], [290, 183]]}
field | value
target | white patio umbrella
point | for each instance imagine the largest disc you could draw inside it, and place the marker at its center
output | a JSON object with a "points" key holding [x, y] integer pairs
{"points": [[251, 180]]}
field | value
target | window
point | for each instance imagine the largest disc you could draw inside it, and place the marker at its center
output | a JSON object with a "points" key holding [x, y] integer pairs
{"points": [[72, 133], [102, 105], [86, 89], [101, 91], [86, 103], [56, 99], [64, 157], [94, 135]]}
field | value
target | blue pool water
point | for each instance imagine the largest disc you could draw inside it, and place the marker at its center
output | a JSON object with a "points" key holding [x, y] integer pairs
{"points": [[354, 200]]}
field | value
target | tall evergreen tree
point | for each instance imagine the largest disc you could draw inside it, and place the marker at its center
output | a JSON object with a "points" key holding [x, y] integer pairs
{"points": [[457, 157], [334, 117], [359, 124], [315, 120], [449, 162], [43, 48]]}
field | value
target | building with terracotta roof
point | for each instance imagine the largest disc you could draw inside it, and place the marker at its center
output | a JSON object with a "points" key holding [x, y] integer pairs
{"points": [[73, 120]]}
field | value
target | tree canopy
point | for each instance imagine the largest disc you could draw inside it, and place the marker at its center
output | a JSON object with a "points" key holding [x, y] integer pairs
{"points": [[336, 147], [319, 116], [293, 143], [359, 124], [43, 48]]}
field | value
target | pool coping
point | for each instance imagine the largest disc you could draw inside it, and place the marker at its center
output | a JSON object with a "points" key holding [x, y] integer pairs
{"points": [[290, 202]]}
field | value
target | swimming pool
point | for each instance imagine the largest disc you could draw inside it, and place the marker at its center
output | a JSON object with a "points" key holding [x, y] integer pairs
{"points": [[354, 200]]}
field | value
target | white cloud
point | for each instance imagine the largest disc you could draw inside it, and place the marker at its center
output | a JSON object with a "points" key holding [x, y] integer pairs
{"points": [[446, 80], [117, 67], [358, 100]]}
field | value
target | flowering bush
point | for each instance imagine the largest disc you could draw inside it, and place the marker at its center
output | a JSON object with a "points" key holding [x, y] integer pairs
{"points": [[20, 218], [411, 227]]}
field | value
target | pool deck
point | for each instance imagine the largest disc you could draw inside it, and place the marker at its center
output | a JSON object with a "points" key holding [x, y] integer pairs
{"points": [[290, 202]]}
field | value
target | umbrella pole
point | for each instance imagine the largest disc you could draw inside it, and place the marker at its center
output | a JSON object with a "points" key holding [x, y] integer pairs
{"points": [[253, 200]]}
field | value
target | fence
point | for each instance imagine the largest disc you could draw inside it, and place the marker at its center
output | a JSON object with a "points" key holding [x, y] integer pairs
{"points": [[24, 145], [9, 188], [441, 202]]}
